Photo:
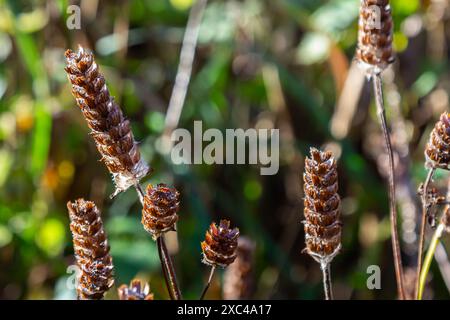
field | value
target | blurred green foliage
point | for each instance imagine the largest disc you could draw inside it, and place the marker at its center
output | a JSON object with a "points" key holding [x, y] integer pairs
{"points": [[258, 64]]}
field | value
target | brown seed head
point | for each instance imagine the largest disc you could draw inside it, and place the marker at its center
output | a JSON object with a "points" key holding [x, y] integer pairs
{"points": [[109, 128], [137, 290], [161, 205], [321, 206], [219, 247], [437, 151], [91, 250], [238, 278], [374, 50]]}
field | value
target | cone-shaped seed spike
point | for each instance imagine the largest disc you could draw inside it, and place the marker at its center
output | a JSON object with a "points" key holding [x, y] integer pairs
{"points": [[219, 247], [91, 250], [437, 151], [110, 130], [374, 51], [321, 206], [137, 290], [161, 205]]}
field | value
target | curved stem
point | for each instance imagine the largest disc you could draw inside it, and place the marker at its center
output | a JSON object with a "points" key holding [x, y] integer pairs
{"points": [[166, 262], [327, 286], [377, 86], [211, 274], [428, 258], [425, 209], [164, 269]]}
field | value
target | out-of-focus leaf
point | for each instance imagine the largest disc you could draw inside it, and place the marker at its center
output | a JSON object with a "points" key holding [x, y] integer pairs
{"points": [[51, 236], [5, 47], [405, 7], [314, 48], [155, 121], [6, 161], [425, 83], [32, 21], [120, 226], [181, 4], [5, 236], [133, 256], [218, 23], [335, 16], [41, 138]]}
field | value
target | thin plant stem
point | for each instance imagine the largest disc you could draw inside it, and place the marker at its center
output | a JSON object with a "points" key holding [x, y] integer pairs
{"points": [[171, 279], [428, 258], [377, 86], [164, 269], [425, 209], [211, 274], [166, 260], [444, 265], [327, 285], [184, 71]]}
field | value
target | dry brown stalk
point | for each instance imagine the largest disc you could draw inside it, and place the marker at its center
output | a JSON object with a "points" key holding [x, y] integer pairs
{"points": [[91, 250], [109, 128], [322, 213]]}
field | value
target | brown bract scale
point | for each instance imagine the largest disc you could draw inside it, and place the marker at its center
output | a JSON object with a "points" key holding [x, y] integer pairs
{"points": [[91, 250], [374, 51], [219, 247], [109, 128], [238, 278], [137, 290], [437, 151], [160, 210], [321, 206]]}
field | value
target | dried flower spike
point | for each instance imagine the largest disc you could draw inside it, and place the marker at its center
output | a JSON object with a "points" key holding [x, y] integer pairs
{"points": [[437, 151], [321, 206], [109, 128], [238, 278], [159, 213], [219, 247], [137, 290], [374, 51], [91, 250]]}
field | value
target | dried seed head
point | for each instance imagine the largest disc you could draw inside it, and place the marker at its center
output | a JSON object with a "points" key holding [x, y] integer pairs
{"points": [[109, 128], [137, 290], [437, 151], [219, 247], [238, 278], [374, 51], [91, 250], [161, 205], [321, 206], [445, 219]]}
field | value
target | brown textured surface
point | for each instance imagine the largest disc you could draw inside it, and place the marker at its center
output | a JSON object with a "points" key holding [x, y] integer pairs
{"points": [[219, 247], [238, 278], [374, 50], [110, 130], [321, 205], [437, 151], [137, 290], [445, 219], [91, 250], [161, 205]]}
